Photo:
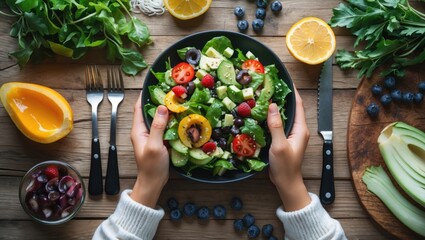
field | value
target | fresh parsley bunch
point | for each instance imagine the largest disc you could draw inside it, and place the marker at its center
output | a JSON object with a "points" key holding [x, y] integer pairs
{"points": [[71, 27], [392, 31]]}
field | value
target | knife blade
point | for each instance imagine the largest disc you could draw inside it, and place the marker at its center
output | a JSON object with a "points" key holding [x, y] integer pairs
{"points": [[324, 119]]}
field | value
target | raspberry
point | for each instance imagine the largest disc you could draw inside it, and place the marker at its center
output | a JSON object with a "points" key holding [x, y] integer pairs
{"points": [[209, 147], [51, 172], [244, 110], [208, 81], [251, 102], [180, 91]]}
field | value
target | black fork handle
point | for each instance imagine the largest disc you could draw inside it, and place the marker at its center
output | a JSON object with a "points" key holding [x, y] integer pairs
{"points": [[95, 178], [112, 182]]}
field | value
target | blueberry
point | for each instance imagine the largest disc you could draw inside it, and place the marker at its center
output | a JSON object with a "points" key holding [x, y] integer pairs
{"points": [[267, 230], [175, 214], [248, 220], [243, 25], [189, 209], [239, 12], [396, 95], [389, 82], [260, 13], [261, 3], [377, 90], [276, 6], [373, 110], [253, 231], [385, 99], [418, 97], [236, 204], [172, 203], [257, 25], [421, 86], [219, 212], [203, 213], [272, 238], [408, 97], [238, 225]]}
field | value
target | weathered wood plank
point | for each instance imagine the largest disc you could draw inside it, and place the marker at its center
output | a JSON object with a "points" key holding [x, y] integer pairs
{"points": [[19, 153]]}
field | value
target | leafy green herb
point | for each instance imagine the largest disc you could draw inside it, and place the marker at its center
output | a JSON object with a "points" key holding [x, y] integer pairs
{"points": [[392, 31], [71, 27], [252, 128]]}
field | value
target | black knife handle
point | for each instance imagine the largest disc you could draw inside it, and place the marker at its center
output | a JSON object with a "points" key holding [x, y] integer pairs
{"points": [[95, 178], [327, 187], [112, 182]]}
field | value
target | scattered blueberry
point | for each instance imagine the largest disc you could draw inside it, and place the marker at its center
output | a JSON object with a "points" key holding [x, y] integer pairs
{"points": [[175, 214], [253, 231], [203, 213], [389, 82], [243, 25], [260, 13], [261, 3], [418, 97], [248, 220], [421, 86], [377, 90], [172, 203], [272, 238], [257, 25], [238, 225], [267, 230], [236, 204], [239, 12], [396, 95], [373, 110], [189, 209], [408, 97], [276, 6], [219, 212], [385, 99]]}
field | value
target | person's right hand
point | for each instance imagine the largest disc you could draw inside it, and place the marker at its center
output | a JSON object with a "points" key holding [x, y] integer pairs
{"points": [[286, 155]]}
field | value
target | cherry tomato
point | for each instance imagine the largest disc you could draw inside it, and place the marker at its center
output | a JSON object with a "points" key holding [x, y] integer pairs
{"points": [[182, 73], [244, 145], [253, 65]]}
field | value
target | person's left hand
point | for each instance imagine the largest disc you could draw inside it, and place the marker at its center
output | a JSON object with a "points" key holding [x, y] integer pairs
{"points": [[151, 156]]}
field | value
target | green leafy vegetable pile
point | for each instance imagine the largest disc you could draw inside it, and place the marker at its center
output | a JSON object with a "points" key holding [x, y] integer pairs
{"points": [[71, 27], [393, 33]]}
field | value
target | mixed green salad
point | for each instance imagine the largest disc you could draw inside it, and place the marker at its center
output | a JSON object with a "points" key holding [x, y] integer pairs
{"points": [[218, 98]]}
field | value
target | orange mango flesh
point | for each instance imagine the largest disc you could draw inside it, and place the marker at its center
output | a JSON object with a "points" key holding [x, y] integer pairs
{"points": [[38, 112]]}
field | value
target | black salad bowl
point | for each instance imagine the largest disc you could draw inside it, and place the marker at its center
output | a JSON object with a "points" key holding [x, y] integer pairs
{"points": [[245, 43]]}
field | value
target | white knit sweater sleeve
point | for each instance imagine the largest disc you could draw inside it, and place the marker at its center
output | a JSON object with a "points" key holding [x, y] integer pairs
{"points": [[130, 221], [311, 222]]}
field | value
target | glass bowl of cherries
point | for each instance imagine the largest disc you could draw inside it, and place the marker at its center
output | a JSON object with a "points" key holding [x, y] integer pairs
{"points": [[52, 192]]}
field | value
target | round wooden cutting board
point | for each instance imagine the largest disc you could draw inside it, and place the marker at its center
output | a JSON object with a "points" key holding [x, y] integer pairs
{"points": [[362, 144]]}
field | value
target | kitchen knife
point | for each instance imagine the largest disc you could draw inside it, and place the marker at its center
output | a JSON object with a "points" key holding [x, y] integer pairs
{"points": [[324, 118]]}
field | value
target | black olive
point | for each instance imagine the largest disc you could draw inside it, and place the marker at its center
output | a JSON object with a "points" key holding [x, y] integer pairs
{"points": [[243, 77], [238, 122], [193, 56], [216, 134], [190, 88]]}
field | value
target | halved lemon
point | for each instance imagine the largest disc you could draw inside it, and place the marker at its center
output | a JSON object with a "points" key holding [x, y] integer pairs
{"points": [[187, 9], [311, 40], [39, 112]]}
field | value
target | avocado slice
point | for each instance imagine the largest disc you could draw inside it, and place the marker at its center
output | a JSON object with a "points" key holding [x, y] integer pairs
{"points": [[178, 159], [198, 157]]}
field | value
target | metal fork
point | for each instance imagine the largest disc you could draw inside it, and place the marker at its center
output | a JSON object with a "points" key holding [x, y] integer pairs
{"points": [[115, 96], [94, 92]]}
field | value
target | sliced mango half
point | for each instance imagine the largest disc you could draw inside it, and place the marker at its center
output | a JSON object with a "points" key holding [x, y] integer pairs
{"points": [[40, 113]]}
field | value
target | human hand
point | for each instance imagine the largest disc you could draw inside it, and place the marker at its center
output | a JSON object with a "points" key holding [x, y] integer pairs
{"points": [[151, 156], [286, 155]]}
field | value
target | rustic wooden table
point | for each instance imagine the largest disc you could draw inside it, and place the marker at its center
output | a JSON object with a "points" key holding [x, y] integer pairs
{"points": [[18, 154]]}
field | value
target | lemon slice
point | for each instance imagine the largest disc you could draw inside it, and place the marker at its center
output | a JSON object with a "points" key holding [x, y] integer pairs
{"points": [[187, 9], [311, 40]]}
